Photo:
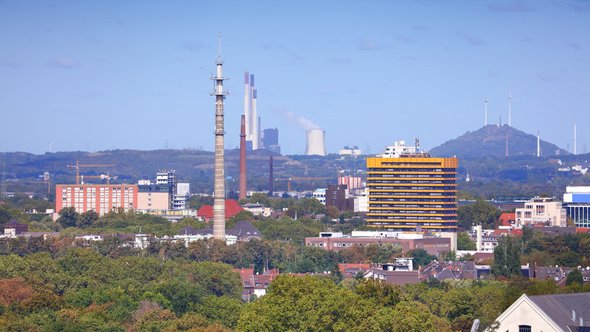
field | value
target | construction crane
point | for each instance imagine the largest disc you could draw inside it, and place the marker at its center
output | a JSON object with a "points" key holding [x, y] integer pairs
{"points": [[300, 178], [78, 166], [107, 177]]}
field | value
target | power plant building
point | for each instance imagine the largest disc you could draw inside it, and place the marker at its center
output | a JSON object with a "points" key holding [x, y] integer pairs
{"points": [[253, 141], [411, 191], [270, 140], [316, 144]]}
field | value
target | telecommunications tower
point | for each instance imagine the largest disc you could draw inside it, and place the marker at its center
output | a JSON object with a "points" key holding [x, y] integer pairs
{"points": [[219, 185]]}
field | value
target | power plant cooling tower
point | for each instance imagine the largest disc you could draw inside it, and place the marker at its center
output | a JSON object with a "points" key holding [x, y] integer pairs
{"points": [[316, 144]]}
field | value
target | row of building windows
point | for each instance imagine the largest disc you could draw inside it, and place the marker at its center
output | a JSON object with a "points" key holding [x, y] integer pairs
{"points": [[411, 170], [424, 206], [392, 193], [390, 217], [398, 188], [426, 181], [414, 211], [430, 176]]}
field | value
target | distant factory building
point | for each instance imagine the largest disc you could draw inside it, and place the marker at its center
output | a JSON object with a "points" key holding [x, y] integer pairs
{"points": [[411, 191], [350, 151], [541, 211], [101, 198], [576, 201], [339, 197], [351, 182], [270, 140]]}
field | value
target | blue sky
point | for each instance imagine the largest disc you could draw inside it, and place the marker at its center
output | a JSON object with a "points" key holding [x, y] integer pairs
{"points": [[96, 75]]}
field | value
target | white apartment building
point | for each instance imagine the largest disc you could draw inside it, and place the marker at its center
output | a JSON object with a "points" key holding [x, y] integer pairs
{"points": [[541, 210]]}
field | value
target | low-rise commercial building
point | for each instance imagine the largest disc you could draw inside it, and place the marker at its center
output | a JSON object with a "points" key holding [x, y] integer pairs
{"points": [[541, 210], [433, 245], [576, 202]]}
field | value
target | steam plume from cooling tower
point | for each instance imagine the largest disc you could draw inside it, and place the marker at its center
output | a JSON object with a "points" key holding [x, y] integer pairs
{"points": [[302, 122]]}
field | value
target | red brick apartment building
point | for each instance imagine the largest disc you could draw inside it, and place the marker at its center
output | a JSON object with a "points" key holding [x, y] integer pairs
{"points": [[101, 198]]}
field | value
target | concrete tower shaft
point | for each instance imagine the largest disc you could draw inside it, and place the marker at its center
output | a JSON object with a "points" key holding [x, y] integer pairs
{"points": [[243, 188], [219, 180], [247, 95]]}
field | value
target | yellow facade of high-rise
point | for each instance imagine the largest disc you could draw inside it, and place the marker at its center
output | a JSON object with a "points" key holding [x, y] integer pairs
{"points": [[412, 193]]}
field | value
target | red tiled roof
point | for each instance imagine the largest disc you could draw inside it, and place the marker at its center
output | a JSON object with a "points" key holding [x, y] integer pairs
{"points": [[506, 217], [232, 207], [344, 266]]}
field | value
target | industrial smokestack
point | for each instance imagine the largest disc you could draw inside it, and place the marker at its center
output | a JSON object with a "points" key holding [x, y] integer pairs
{"points": [[316, 142], [270, 177], [254, 131], [247, 94], [219, 179], [243, 158]]}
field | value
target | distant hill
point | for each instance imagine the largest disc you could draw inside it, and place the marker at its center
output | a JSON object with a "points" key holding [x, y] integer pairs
{"points": [[490, 141]]}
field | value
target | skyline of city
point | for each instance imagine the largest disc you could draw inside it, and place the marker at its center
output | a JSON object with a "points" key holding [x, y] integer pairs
{"points": [[97, 76]]}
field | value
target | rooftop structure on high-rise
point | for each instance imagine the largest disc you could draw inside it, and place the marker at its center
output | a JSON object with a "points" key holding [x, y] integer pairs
{"points": [[411, 191]]}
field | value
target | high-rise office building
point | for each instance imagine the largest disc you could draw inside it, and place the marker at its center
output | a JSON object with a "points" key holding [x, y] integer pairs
{"points": [[411, 191]]}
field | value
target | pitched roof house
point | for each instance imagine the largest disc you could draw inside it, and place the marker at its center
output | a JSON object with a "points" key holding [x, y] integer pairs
{"points": [[557, 312]]}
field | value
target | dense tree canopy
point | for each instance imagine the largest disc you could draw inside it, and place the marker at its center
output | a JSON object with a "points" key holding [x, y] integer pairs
{"points": [[478, 213]]}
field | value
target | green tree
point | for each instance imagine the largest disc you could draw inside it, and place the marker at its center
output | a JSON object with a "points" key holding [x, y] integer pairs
{"points": [[464, 242], [308, 304], [68, 217], [575, 276], [478, 213], [421, 257], [260, 198], [87, 219], [5, 215], [507, 257]]}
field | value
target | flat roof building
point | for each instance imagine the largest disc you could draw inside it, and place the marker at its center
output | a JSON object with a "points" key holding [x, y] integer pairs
{"points": [[541, 210], [576, 202], [102, 198], [412, 191]]}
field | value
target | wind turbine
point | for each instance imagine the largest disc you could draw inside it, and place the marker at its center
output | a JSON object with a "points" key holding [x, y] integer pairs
{"points": [[485, 116]]}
